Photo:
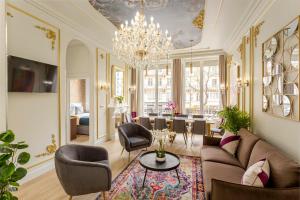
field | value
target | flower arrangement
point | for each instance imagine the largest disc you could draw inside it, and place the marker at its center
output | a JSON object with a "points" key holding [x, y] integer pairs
{"points": [[171, 106], [160, 135]]}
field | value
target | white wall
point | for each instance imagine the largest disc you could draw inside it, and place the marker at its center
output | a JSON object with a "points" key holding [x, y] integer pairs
{"points": [[2, 66], [34, 117], [282, 133]]}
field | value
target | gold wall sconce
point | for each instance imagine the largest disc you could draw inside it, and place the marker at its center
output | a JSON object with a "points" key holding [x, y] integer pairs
{"points": [[132, 89], [242, 84], [104, 87]]}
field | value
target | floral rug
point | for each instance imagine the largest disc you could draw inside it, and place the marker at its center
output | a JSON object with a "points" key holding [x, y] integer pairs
{"points": [[159, 185]]}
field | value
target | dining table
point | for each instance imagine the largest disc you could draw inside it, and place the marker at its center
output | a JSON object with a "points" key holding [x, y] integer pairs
{"points": [[188, 120]]}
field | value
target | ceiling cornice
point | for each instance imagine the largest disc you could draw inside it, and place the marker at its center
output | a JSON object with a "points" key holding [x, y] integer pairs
{"points": [[207, 53], [254, 13]]}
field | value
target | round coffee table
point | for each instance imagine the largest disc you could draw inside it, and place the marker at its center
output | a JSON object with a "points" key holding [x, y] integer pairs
{"points": [[147, 160]]}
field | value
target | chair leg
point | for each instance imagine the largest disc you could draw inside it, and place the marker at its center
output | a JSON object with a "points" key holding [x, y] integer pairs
{"points": [[104, 195], [129, 157], [70, 197], [122, 151]]}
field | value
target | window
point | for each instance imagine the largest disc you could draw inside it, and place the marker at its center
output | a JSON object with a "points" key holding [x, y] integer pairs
{"points": [[159, 92], [202, 93]]}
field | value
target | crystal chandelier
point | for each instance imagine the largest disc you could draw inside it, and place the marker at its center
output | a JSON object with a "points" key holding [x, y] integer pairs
{"points": [[141, 44]]}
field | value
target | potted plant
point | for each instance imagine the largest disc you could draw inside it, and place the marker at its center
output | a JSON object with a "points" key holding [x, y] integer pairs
{"points": [[234, 119], [10, 159], [161, 138], [119, 99]]}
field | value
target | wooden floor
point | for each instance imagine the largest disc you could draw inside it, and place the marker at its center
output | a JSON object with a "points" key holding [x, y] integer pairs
{"points": [[47, 186]]}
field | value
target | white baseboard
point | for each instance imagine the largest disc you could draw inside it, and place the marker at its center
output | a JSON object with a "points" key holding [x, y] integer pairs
{"points": [[38, 171]]}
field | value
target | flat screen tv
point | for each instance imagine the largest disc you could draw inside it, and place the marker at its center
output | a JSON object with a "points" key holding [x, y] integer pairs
{"points": [[31, 76]]}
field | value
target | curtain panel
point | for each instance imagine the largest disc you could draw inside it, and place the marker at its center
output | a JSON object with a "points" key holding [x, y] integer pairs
{"points": [[222, 74], [177, 84]]}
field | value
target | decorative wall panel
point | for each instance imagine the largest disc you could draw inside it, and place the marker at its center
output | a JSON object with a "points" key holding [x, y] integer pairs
{"points": [[281, 73]]}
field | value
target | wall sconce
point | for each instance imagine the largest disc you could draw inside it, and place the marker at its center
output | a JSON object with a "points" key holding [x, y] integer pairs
{"points": [[104, 86], [132, 89]]}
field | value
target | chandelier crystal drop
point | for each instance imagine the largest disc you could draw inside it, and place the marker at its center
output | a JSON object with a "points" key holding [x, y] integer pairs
{"points": [[141, 44]]}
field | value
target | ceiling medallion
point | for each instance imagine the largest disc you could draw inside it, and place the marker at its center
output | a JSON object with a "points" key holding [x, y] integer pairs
{"points": [[141, 44], [199, 20]]}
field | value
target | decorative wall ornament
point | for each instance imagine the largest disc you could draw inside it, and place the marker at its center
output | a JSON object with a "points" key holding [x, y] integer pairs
{"points": [[50, 149], [199, 20], [50, 34], [281, 73], [257, 31], [9, 14]]}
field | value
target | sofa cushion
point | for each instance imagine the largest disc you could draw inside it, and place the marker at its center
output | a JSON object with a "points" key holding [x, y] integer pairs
{"points": [[247, 142], [258, 174], [284, 172], [217, 154], [220, 171], [138, 141], [230, 142]]}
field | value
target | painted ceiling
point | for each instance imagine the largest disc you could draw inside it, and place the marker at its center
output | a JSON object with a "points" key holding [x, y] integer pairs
{"points": [[175, 15]]}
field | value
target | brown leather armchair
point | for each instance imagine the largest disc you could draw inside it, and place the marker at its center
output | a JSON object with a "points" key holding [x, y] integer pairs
{"points": [[133, 137]]}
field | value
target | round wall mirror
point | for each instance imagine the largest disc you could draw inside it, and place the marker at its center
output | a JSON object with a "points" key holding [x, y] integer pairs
{"points": [[286, 105], [265, 103], [267, 80], [295, 57], [271, 49], [269, 67], [291, 28], [277, 99]]}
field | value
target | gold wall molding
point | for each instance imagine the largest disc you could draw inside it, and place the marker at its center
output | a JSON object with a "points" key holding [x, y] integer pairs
{"points": [[58, 72], [50, 149], [50, 34], [9, 14], [253, 34], [256, 31], [198, 22]]}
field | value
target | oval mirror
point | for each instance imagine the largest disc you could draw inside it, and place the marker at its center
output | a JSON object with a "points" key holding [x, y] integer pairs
{"points": [[271, 48], [265, 103], [267, 80], [295, 57], [286, 105], [269, 67], [277, 99], [291, 28]]}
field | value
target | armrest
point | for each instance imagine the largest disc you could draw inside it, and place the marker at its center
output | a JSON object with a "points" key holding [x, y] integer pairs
{"points": [[228, 191], [145, 132], [211, 141]]}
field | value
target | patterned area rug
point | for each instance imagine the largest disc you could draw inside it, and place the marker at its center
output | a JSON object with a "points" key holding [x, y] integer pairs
{"points": [[159, 185]]}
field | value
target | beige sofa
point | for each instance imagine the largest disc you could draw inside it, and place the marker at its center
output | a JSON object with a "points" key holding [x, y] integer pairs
{"points": [[222, 172]]}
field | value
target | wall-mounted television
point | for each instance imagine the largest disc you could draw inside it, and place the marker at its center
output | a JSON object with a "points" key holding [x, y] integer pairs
{"points": [[31, 76]]}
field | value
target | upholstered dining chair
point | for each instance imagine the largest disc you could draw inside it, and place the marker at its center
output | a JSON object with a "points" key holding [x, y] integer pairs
{"points": [[198, 116], [83, 169], [133, 137], [182, 115], [179, 126], [145, 121], [198, 128], [160, 124], [218, 128]]}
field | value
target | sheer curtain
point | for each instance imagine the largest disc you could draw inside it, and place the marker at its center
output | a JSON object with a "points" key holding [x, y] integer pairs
{"points": [[177, 84], [222, 74]]}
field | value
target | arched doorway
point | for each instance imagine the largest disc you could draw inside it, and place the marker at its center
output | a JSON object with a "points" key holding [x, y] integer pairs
{"points": [[79, 101]]}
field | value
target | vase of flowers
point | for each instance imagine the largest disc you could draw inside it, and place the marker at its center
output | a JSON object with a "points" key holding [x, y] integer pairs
{"points": [[171, 107], [160, 151], [119, 99]]}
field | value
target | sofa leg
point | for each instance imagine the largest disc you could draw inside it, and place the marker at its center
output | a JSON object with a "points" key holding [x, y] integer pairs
{"points": [[129, 157], [122, 151], [70, 197]]}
